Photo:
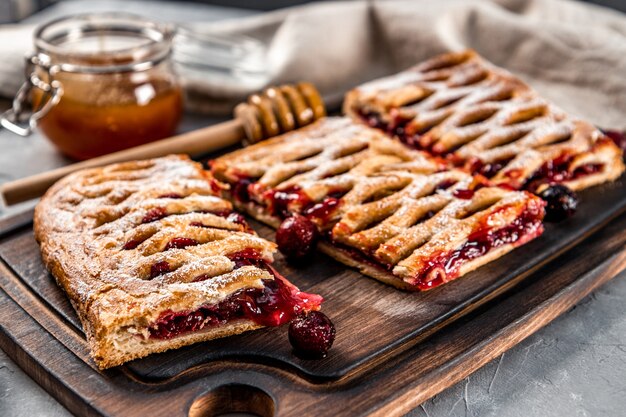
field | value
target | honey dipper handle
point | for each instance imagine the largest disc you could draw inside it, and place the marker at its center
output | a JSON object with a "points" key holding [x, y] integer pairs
{"points": [[196, 142]]}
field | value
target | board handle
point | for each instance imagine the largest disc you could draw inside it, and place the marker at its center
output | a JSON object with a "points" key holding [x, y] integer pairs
{"points": [[274, 111]]}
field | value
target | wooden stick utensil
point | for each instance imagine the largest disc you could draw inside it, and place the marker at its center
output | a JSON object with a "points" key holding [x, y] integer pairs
{"points": [[274, 111]]}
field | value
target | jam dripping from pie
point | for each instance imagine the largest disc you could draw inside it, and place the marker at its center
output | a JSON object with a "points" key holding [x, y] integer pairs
{"points": [[445, 266], [276, 303]]}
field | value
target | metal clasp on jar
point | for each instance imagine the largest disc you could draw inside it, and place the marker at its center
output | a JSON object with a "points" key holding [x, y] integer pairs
{"points": [[22, 117]]}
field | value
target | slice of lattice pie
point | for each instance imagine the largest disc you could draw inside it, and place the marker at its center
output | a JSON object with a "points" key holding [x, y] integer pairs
{"points": [[485, 119], [152, 259], [390, 211]]}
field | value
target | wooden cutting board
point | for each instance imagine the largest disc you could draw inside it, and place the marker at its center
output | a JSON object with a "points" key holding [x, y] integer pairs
{"points": [[393, 349]]}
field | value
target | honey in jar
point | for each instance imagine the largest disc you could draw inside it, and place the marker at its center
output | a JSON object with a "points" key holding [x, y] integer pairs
{"points": [[114, 84]]}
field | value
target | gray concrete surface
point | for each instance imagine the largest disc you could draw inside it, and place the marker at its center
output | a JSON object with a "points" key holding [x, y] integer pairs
{"points": [[576, 366]]}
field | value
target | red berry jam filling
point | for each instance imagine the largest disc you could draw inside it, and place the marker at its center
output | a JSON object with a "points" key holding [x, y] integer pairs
{"points": [[240, 190], [171, 195], [276, 303], [488, 170], [557, 170], [216, 186], [202, 277], [374, 119], [323, 210], [154, 214], [181, 243], [587, 169], [282, 200], [286, 201], [464, 194], [247, 257], [159, 268], [444, 185], [132, 244], [445, 266], [398, 125]]}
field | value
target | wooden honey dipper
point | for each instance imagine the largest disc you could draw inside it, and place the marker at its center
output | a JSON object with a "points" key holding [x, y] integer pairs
{"points": [[274, 111]]}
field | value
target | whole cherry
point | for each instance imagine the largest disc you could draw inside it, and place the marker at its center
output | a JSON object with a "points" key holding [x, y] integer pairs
{"points": [[296, 237], [561, 202], [311, 334]]}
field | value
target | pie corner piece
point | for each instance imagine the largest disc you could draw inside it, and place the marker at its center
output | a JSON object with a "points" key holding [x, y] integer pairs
{"points": [[152, 259]]}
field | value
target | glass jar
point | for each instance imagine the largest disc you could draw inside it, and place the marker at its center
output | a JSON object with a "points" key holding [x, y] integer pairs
{"points": [[98, 84], [218, 71]]}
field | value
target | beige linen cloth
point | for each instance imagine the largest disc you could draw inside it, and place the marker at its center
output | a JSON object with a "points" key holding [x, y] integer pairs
{"points": [[573, 53]]}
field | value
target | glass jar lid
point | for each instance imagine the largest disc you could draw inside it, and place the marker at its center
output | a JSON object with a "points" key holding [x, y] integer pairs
{"points": [[103, 42]]}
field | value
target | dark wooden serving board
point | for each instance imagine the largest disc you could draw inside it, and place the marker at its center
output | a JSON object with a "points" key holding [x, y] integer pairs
{"points": [[393, 349]]}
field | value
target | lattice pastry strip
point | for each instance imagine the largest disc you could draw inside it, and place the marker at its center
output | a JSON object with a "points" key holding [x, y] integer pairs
{"points": [[383, 209], [311, 166], [152, 259], [486, 120]]}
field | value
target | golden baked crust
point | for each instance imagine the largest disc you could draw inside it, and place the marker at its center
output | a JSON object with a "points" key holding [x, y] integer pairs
{"points": [[484, 118], [131, 242], [386, 209]]}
